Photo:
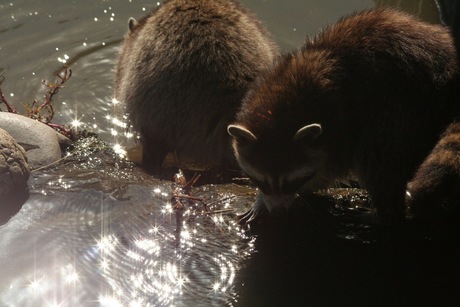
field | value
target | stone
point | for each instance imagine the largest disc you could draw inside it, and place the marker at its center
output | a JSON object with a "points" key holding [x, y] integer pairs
{"points": [[14, 169], [41, 142]]}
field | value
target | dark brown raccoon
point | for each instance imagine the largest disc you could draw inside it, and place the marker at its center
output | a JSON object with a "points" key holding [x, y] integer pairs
{"points": [[437, 181], [368, 96], [182, 72]]}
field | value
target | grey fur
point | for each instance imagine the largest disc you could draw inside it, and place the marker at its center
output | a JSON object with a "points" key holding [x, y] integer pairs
{"points": [[182, 72]]}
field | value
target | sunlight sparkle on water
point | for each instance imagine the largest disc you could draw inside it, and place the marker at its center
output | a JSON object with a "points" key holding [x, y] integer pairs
{"points": [[216, 286], [109, 301], [37, 286], [219, 220], [106, 244], [72, 277], [167, 209], [64, 59], [118, 122], [69, 274], [76, 123], [160, 192], [185, 234], [150, 246], [60, 183], [104, 264], [227, 274], [133, 255], [119, 150], [154, 230]]}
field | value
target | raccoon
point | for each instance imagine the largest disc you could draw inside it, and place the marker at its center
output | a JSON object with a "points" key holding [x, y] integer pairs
{"points": [[437, 181], [182, 71], [367, 96]]}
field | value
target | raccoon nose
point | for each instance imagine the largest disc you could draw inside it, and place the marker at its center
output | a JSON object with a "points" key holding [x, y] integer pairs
{"points": [[277, 203], [278, 212]]}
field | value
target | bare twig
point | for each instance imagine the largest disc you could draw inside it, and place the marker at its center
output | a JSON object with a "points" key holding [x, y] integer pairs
{"points": [[36, 109], [219, 211], [221, 200], [181, 196], [9, 107]]}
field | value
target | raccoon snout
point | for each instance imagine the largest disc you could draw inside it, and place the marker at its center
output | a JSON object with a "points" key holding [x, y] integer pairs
{"points": [[277, 203]]}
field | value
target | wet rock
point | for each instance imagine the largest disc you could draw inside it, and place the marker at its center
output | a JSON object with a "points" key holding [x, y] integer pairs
{"points": [[14, 169], [42, 143]]}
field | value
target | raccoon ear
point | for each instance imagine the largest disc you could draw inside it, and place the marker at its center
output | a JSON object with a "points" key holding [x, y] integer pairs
{"points": [[241, 134], [132, 23], [308, 132]]}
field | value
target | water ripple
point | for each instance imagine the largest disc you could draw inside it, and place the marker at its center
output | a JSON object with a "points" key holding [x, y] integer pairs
{"points": [[89, 248]]}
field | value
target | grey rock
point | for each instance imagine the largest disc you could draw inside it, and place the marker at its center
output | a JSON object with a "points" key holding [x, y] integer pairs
{"points": [[41, 142], [14, 169]]}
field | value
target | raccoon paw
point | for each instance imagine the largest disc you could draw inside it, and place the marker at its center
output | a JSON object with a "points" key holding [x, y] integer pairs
{"points": [[423, 207]]}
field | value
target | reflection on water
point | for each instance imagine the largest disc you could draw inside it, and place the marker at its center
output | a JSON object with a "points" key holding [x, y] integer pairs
{"points": [[117, 245], [97, 231]]}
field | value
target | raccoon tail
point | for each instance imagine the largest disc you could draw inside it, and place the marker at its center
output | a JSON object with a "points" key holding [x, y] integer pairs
{"points": [[435, 189]]}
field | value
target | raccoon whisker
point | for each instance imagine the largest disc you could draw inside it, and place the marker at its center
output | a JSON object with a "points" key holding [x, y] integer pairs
{"points": [[221, 200], [219, 211]]}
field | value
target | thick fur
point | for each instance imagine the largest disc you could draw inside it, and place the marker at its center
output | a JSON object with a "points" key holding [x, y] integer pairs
{"points": [[380, 84], [182, 72], [437, 181]]}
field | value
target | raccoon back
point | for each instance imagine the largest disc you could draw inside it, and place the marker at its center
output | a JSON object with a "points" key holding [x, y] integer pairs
{"points": [[183, 69]]}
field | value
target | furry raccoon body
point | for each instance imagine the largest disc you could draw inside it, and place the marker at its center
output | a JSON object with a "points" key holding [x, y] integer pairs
{"points": [[182, 71], [369, 95]]}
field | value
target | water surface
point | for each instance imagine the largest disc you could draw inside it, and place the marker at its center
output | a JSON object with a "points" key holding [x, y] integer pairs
{"points": [[98, 231]]}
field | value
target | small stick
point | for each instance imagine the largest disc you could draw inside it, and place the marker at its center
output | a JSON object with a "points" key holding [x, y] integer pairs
{"points": [[219, 211], [221, 200], [9, 107], [188, 197]]}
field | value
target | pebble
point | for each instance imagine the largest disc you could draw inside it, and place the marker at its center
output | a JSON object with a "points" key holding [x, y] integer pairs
{"points": [[41, 142], [14, 169]]}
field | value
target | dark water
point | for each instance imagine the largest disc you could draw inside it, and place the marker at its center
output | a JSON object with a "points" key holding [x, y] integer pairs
{"points": [[97, 231]]}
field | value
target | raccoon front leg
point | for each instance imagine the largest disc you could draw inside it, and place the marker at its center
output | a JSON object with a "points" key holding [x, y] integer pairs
{"points": [[437, 181], [386, 190], [154, 152], [428, 192], [388, 204]]}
